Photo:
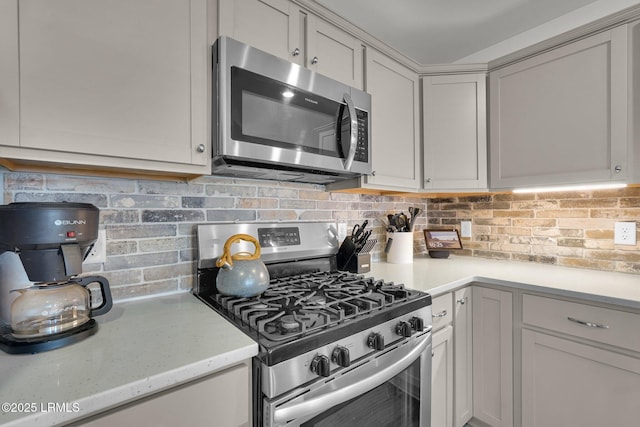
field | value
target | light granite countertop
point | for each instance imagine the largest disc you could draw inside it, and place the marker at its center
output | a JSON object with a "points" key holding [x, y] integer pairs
{"points": [[438, 276], [148, 346], [140, 348]]}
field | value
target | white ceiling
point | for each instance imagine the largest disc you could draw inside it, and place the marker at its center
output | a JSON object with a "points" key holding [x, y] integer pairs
{"points": [[447, 31]]}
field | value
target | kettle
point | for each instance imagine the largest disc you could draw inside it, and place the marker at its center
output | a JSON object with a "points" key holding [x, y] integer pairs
{"points": [[242, 274], [50, 308]]}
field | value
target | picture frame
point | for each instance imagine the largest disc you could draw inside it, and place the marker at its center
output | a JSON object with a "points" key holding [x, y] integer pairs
{"points": [[442, 239]]}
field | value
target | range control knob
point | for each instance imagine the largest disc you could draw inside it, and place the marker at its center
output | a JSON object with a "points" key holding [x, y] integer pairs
{"points": [[403, 329], [375, 341], [417, 324], [320, 365], [340, 356]]}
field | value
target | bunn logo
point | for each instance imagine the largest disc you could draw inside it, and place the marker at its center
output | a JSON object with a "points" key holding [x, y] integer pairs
{"points": [[70, 222], [313, 101]]}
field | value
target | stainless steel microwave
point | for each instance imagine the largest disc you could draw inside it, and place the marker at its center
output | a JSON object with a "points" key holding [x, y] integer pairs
{"points": [[273, 119]]}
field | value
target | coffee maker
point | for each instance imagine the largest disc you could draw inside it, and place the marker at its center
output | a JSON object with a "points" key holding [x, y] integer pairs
{"points": [[43, 303]]}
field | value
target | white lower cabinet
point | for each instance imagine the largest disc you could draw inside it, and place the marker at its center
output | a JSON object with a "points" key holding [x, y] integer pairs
{"points": [[451, 381], [222, 399], [566, 383], [442, 378], [493, 356], [462, 357]]}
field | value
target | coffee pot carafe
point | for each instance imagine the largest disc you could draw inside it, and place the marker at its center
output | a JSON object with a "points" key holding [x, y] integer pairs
{"points": [[47, 309], [54, 306]]}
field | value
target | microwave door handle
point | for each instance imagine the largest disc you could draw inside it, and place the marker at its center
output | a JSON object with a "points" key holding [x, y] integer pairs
{"points": [[328, 400], [353, 135]]}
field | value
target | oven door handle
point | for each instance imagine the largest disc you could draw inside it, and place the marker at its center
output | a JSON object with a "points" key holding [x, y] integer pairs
{"points": [[330, 399], [353, 134]]}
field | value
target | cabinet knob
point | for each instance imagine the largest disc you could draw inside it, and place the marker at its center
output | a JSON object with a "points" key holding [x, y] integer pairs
{"points": [[201, 148], [373, 173], [462, 301], [314, 61], [295, 52], [428, 180], [618, 168]]}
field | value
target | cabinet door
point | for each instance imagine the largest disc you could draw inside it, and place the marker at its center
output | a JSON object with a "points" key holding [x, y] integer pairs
{"points": [[395, 122], [269, 25], [565, 383], [442, 378], [493, 356], [561, 117], [463, 357], [9, 80], [334, 53], [222, 399], [125, 79], [455, 136]]}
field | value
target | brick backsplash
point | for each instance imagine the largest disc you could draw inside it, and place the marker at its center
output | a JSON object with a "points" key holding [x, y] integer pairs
{"points": [[150, 225], [572, 228]]}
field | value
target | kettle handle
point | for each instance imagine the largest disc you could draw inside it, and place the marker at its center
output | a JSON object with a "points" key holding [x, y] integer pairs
{"points": [[105, 291], [226, 259]]}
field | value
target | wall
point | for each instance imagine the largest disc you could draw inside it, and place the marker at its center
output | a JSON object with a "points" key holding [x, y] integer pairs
{"points": [[573, 229], [150, 225]]}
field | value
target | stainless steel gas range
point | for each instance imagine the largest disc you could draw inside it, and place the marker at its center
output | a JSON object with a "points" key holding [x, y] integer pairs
{"points": [[335, 348]]}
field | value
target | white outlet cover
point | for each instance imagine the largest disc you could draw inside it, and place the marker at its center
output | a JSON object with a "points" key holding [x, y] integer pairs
{"points": [[465, 228], [624, 233]]}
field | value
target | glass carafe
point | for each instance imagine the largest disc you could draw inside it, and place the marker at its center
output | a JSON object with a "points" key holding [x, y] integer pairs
{"points": [[48, 309]]}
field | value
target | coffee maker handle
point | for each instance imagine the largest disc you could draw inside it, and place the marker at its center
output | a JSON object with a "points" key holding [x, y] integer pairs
{"points": [[105, 291]]}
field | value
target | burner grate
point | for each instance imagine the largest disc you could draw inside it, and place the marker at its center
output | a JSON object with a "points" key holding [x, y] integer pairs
{"points": [[296, 306]]}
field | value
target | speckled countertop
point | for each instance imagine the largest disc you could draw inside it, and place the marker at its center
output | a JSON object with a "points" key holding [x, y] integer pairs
{"points": [[140, 348], [438, 276], [148, 346]]}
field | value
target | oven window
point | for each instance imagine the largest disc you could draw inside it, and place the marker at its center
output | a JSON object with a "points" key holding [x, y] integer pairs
{"points": [[395, 403]]}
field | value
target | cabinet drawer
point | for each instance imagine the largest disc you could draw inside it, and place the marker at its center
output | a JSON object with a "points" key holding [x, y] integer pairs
{"points": [[605, 325], [441, 309]]}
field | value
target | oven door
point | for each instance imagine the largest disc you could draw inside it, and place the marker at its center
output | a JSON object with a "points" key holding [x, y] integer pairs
{"points": [[391, 388]]}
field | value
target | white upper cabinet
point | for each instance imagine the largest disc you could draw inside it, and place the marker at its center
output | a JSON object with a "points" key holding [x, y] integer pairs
{"points": [[9, 77], [290, 32], [395, 138], [116, 84], [455, 136], [561, 117]]}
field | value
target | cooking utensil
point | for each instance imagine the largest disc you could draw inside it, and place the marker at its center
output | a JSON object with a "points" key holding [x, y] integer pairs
{"points": [[414, 212], [242, 274]]}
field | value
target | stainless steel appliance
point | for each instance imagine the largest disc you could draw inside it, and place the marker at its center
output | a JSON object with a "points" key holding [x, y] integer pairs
{"points": [[336, 348], [273, 119], [42, 246]]}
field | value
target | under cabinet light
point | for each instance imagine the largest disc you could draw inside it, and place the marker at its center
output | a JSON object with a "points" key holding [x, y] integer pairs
{"points": [[585, 187]]}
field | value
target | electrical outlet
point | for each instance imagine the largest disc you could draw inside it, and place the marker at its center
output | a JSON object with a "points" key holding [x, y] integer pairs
{"points": [[465, 228], [98, 253], [624, 233]]}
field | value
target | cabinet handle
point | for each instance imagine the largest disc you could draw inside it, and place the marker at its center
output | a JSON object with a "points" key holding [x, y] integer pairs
{"points": [[589, 324], [201, 148], [462, 301], [428, 180], [295, 52], [618, 168], [314, 61], [441, 314]]}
